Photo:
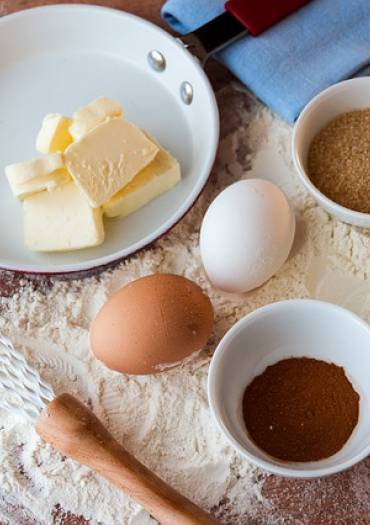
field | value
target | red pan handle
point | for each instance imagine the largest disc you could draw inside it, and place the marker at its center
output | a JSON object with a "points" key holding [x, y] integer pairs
{"points": [[257, 15], [240, 18]]}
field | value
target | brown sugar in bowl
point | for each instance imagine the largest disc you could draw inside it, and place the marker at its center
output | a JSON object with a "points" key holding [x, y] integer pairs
{"points": [[151, 325], [347, 96]]}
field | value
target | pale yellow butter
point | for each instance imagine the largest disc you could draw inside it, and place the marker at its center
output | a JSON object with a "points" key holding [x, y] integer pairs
{"points": [[54, 134], [108, 158], [25, 171], [44, 182], [95, 113], [158, 177], [35, 175], [61, 220]]}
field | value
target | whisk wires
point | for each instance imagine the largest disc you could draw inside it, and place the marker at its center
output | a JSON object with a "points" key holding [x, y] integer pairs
{"points": [[22, 391]]}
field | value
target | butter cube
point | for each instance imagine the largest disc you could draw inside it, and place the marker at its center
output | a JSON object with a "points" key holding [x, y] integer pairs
{"points": [[54, 134], [95, 113], [35, 175], [44, 182], [108, 158], [25, 171], [61, 220], [158, 177]]}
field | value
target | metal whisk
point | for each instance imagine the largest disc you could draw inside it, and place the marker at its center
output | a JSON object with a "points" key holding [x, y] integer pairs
{"points": [[26, 394], [75, 431]]}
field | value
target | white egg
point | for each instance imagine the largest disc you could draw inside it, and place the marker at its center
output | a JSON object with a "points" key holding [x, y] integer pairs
{"points": [[246, 235]]}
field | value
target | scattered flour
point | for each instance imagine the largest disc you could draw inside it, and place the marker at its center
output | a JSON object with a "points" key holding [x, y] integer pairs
{"points": [[165, 420]]}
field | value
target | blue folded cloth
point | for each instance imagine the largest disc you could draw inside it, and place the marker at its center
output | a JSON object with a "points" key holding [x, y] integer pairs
{"points": [[322, 43]]}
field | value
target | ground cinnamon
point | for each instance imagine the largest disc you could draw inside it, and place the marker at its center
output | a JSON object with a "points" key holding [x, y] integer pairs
{"points": [[301, 409]]}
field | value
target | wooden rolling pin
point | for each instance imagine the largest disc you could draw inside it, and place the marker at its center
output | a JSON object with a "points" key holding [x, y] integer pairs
{"points": [[75, 431]]}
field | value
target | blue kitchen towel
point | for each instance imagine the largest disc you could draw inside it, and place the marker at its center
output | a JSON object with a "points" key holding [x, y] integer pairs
{"points": [[322, 43]]}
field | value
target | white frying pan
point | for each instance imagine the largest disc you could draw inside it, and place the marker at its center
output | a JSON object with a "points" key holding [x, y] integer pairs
{"points": [[56, 59]]}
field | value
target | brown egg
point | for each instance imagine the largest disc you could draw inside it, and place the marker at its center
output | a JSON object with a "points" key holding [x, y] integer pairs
{"points": [[152, 324]]}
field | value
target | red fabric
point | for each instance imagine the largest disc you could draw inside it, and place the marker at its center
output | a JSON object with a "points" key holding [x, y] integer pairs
{"points": [[259, 15]]}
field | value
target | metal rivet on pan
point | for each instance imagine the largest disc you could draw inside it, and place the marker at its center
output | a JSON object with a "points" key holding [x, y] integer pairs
{"points": [[186, 92], [156, 60]]}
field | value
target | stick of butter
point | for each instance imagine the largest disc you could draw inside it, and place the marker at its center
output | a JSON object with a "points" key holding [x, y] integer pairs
{"points": [[61, 220], [90, 116], [36, 175], [158, 177], [54, 134], [108, 158]]}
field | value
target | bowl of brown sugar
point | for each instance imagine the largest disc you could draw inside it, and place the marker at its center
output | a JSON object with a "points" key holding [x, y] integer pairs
{"points": [[289, 387], [331, 150]]}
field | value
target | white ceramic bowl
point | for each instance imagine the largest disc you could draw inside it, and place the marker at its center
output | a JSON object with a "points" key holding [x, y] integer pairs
{"points": [[293, 328], [345, 96]]}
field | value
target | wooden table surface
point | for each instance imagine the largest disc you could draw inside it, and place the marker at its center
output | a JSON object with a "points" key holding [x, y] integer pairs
{"points": [[341, 499]]}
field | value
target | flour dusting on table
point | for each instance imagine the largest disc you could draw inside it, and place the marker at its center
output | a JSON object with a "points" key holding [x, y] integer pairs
{"points": [[164, 420]]}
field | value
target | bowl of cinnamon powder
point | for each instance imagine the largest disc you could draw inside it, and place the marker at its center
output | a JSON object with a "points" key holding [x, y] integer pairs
{"points": [[331, 150], [289, 387]]}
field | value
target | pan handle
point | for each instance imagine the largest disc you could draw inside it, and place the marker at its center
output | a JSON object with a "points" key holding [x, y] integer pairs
{"points": [[241, 17], [213, 36]]}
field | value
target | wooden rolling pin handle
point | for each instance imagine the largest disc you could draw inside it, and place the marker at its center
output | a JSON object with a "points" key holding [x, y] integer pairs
{"points": [[75, 431]]}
